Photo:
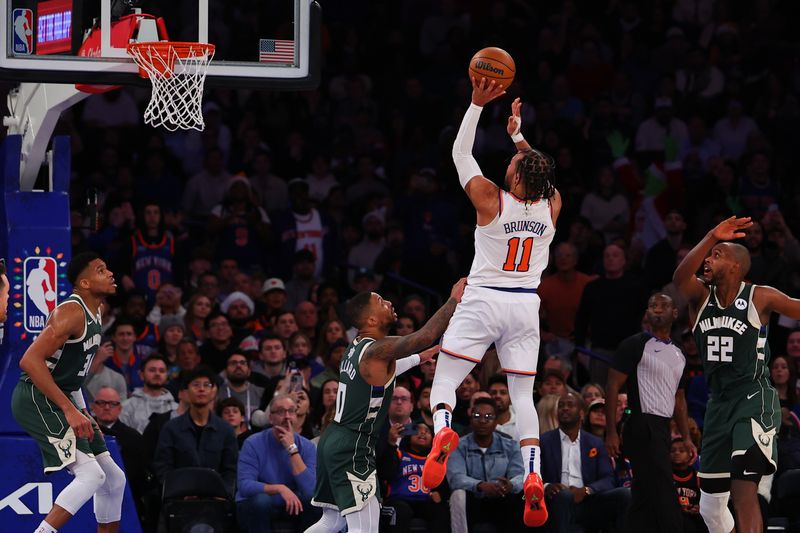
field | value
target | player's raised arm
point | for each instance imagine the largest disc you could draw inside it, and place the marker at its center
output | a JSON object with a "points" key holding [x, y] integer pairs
{"points": [[685, 275], [391, 348], [481, 191], [67, 321], [771, 300]]}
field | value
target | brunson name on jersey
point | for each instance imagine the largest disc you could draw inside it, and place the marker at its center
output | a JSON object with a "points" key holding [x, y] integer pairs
{"points": [[531, 226]]}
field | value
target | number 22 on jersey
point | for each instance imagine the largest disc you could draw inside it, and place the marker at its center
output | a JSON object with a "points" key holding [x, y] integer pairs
{"points": [[511, 264]]}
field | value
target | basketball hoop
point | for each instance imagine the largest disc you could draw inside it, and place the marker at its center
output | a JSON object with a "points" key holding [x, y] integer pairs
{"points": [[177, 72]]}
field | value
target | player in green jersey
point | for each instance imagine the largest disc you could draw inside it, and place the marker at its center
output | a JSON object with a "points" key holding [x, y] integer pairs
{"points": [[347, 488], [47, 402], [743, 414]]}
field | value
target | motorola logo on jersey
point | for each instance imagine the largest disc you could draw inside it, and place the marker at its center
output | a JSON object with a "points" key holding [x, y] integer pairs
{"points": [[40, 289], [740, 304]]}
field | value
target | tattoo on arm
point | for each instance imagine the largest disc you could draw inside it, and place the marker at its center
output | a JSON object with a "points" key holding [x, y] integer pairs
{"points": [[399, 347]]}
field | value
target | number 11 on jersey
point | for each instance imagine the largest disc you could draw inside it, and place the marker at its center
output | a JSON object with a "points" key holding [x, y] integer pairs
{"points": [[511, 263]]}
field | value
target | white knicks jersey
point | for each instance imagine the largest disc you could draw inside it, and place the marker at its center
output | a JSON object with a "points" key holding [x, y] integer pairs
{"points": [[513, 249]]}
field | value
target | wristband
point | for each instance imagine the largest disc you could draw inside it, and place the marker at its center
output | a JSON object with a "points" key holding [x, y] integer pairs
{"points": [[517, 137]]}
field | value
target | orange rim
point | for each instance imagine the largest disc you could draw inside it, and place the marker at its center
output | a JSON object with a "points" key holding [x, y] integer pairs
{"points": [[162, 49]]}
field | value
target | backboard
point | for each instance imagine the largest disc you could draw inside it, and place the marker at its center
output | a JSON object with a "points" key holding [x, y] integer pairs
{"points": [[271, 44]]}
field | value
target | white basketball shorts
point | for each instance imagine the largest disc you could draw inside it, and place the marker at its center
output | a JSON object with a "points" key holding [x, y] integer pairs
{"points": [[508, 319]]}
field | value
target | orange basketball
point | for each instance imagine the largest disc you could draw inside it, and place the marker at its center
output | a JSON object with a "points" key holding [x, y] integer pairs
{"points": [[493, 63]]}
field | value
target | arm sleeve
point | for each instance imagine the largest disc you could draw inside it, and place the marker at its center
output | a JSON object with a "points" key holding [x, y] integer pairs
{"points": [[405, 364], [77, 399], [628, 355], [465, 163]]}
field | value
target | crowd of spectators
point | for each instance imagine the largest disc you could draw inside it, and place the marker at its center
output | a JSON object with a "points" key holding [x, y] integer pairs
{"points": [[236, 248]]}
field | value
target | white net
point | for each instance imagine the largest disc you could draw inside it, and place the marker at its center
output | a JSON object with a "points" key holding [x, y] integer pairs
{"points": [[178, 73]]}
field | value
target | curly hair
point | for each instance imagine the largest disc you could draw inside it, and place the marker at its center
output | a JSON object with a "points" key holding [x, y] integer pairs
{"points": [[537, 171]]}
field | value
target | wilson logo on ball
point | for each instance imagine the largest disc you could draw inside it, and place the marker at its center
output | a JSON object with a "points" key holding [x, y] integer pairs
{"points": [[488, 67]]}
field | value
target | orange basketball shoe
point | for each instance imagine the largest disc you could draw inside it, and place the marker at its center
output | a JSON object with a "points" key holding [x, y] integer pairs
{"points": [[445, 442], [535, 511]]}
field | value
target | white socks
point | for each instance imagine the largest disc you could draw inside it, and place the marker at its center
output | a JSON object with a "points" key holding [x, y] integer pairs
{"points": [[531, 459], [44, 527], [441, 419]]}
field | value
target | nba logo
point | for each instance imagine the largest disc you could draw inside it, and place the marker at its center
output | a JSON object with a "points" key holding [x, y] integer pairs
{"points": [[40, 292], [23, 32]]}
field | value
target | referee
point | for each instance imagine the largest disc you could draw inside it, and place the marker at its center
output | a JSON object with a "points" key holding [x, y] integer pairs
{"points": [[652, 367]]}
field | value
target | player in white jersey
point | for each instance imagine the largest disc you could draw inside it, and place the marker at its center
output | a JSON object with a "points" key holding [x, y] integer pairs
{"points": [[514, 230]]}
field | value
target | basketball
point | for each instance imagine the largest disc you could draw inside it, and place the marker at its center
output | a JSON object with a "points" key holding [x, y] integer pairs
{"points": [[493, 63]]}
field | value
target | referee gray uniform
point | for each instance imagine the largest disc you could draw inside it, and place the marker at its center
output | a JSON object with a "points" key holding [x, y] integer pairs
{"points": [[654, 369]]}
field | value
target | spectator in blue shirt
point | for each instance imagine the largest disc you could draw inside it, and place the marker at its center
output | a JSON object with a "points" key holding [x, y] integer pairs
{"points": [[277, 473], [485, 474]]}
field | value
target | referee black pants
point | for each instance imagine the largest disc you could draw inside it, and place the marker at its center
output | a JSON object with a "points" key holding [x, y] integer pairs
{"points": [[654, 502]]}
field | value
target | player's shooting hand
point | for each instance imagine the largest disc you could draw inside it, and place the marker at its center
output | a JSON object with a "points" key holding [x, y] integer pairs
{"points": [[484, 91], [79, 423], [612, 444], [293, 504], [515, 120], [731, 228], [427, 355], [458, 289]]}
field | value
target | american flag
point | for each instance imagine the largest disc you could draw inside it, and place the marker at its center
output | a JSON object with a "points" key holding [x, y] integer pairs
{"points": [[275, 51]]}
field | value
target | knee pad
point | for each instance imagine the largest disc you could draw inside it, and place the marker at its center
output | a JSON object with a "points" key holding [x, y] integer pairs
{"points": [[450, 372], [108, 499], [520, 389], [715, 512], [89, 477]]}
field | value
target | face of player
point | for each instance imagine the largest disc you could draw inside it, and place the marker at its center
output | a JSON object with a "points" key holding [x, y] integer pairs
{"points": [[4, 298], [661, 312], [499, 393], [717, 266], [272, 352], [511, 171], [383, 311], [99, 280], [154, 374], [329, 391]]}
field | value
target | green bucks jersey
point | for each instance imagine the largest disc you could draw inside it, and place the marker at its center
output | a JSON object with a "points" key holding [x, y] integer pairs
{"points": [[732, 342], [70, 364], [360, 406]]}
